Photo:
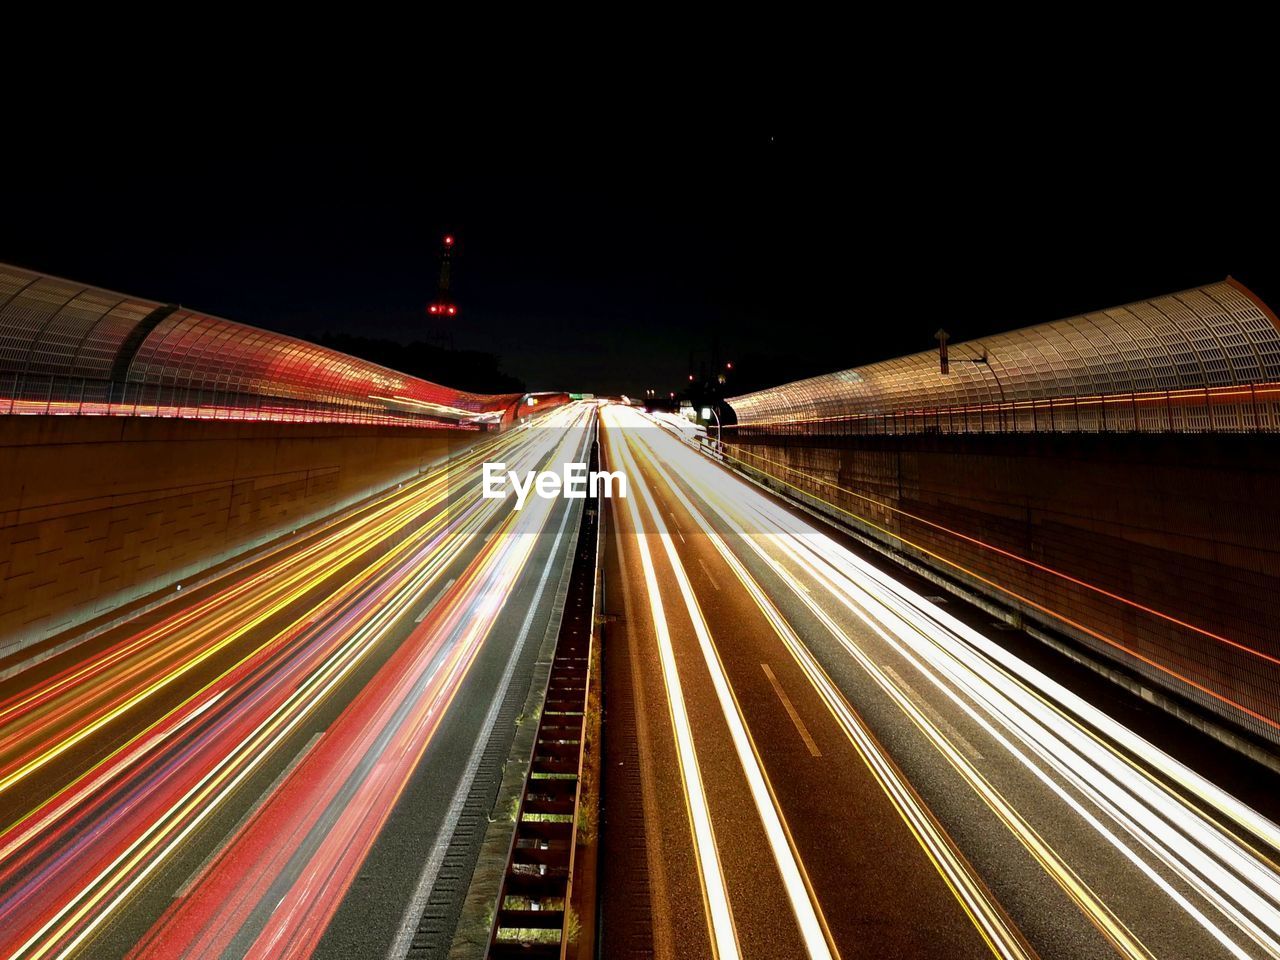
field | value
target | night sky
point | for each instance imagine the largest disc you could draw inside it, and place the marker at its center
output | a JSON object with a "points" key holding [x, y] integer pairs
{"points": [[612, 256]]}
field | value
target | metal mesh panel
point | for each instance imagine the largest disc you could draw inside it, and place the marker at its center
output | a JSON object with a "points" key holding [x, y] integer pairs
{"points": [[26, 315], [1052, 376], [100, 344], [65, 348]]}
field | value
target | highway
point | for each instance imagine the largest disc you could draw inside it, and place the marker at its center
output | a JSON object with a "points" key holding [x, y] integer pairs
{"points": [[830, 763], [212, 778]]}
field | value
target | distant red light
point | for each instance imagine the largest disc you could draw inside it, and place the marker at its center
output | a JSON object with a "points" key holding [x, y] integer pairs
{"points": [[434, 308], [729, 366], [452, 311], [448, 241]]}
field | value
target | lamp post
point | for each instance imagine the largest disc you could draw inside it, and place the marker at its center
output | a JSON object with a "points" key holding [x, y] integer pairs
{"points": [[716, 413]]}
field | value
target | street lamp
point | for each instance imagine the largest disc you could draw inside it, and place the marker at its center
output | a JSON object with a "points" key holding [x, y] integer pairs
{"points": [[716, 413]]}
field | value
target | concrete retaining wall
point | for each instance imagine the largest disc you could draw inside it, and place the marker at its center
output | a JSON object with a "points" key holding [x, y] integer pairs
{"points": [[1184, 525], [97, 511]]}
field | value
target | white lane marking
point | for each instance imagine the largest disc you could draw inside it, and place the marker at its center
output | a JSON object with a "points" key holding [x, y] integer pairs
{"points": [[939, 721], [812, 929], [256, 748], [791, 711], [1060, 741], [710, 578], [426, 880], [989, 919], [675, 525], [434, 600], [724, 937]]}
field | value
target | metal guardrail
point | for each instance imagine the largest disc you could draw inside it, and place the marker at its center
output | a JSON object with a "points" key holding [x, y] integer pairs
{"points": [[533, 917], [1245, 408]]}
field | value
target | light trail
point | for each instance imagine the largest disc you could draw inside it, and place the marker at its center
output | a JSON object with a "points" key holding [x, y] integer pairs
{"points": [[724, 937], [40, 724], [125, 817], [990, 919], [987, 915], [1111, 781], [1108, 640], [813, 928], [882, 504], [1237, 880]]}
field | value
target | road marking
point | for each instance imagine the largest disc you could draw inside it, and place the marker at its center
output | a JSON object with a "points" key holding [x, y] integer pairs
{"points": [[951, 733], [434, 600], [722, 932], [791, 711], [163, 837], [992, 923], [812, 925], [1013, 944], [674, 524], [248, 815], [708, 573], [427, 879]]}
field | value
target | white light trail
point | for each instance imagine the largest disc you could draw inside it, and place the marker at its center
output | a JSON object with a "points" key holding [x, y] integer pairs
{"points": [[987, 916], [724, 937], [1103, 772], [812, 929]]}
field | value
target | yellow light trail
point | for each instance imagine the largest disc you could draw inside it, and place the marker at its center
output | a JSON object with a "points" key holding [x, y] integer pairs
{"points": [[70, 926], [988, 917], [285, 582], [724, 936], [1060, 733], [813, 928]]}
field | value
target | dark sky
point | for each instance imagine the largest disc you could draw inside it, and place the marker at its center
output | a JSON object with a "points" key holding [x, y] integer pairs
{"points": [[603, 252]]}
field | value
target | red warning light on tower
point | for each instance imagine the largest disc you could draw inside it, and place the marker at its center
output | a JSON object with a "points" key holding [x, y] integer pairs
{"points": [[444, 305]]}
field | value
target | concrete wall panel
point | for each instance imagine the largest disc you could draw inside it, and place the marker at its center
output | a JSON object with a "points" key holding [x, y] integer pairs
{"points": [[97, 511], [1184, 525]]}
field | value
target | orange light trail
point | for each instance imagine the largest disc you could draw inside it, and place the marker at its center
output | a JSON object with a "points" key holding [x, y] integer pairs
{"points": [[68, 864]]}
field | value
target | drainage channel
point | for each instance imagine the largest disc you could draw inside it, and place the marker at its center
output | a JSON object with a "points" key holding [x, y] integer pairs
{"points": [[534, 918]]}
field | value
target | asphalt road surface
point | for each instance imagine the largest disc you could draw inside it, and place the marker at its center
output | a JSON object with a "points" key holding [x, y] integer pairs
{"points": [[832, 764], [264, 767]]}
